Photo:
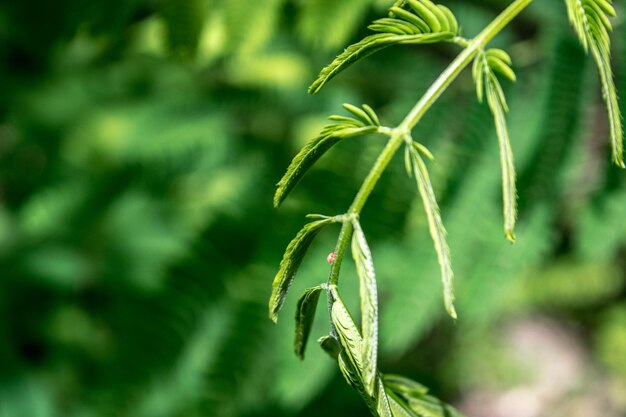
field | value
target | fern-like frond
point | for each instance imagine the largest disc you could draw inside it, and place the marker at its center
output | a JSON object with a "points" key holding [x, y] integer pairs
{"points": [[486, 64], [590, 19], [365, 121], [423, 22]]}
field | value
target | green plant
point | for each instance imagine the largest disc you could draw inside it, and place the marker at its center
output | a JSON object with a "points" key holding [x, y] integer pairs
{"points": [[413, 22]]}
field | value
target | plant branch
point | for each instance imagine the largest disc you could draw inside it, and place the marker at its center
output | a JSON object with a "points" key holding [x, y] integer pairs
{"points": [[398, 135]]}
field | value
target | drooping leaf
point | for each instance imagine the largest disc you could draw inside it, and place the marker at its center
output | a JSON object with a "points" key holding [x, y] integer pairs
{"points": [[435, 225], [590, 19], [369, 304], [509, 193], [424, 22], [291, 262], [331, 134], [484, 68], [349, 336], [305, 314], [351, 360]]}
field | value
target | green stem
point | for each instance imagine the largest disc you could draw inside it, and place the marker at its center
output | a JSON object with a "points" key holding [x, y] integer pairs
{"points": [[417, 112]]}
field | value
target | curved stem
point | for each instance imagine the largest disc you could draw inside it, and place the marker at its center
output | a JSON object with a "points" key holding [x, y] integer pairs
{"points": [[399, 133]]}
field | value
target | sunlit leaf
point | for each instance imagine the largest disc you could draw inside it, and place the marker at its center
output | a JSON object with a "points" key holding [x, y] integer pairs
{"points": [[424, 22], [369, 304], [590, 19], [485, 66], [509, 193], [435, 225], [349, 336]]}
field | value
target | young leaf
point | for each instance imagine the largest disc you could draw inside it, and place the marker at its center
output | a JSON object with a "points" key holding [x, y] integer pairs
{"points": [[509, 193], [314, 150], [291, 262], [349, 336], [369, 304], [426, 22], [485, 65], [435, 225], [368, 46], [589, 19], [305, 314]]}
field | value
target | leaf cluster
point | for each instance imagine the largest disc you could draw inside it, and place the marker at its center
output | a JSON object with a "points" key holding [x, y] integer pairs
{"points": [[417, 22]]}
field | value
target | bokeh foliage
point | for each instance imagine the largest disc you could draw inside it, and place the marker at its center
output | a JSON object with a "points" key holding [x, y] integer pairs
{"points": [[140, 141]]}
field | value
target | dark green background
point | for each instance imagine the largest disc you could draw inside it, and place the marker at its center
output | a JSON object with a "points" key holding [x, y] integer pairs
{"points": [[140, 141]]}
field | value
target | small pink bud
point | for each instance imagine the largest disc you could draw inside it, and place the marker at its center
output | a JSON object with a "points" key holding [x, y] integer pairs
{"points": [[330, 258]]}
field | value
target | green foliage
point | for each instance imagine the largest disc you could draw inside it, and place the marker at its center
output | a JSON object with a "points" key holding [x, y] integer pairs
{"points": [[483, 72], [305, 314], [435, 225], [369, 304], [358, 357], [590, 19], [425, 23], [291, 262], [139, 145], [364, 122]]}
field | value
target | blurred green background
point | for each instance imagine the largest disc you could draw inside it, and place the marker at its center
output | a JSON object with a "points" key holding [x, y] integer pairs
{"points": [[140, 141]]}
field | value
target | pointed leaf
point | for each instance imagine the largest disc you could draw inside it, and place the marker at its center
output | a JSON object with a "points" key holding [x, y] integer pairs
{"points": [[437, 231], [509, 193], [291, 262], [589, 19], [349, 336], [369, 304], [305, 314], [314, 150], [609, 93], [366, 47]]}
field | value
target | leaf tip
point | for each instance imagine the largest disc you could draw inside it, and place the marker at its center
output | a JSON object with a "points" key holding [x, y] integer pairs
{"points": [[273, 314], [277, 199], [510, 235]]}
